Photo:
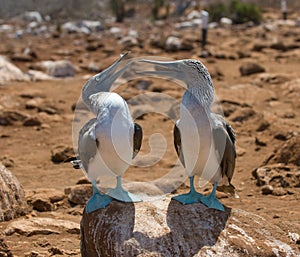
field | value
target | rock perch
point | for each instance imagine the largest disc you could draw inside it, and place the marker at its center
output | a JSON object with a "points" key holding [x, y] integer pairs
{"points": [[169, 229]]}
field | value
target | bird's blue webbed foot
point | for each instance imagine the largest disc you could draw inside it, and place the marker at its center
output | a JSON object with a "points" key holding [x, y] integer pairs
{"points": [[98, 200], [211, 201], [122, 195], [192, 197]]}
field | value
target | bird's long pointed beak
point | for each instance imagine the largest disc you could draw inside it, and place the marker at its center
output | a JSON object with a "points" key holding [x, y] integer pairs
{"points": [[112, 68], [102, 82], [164, 68]]}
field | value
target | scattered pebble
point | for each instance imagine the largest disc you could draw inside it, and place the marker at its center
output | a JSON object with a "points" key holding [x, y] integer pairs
{"points": [[80, 194], [267, 189], [32, 121], [250, 68], [61, 153]]}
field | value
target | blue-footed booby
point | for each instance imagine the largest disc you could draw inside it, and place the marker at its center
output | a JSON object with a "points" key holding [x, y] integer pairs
{"points": [[204, 141], [108, 143]]}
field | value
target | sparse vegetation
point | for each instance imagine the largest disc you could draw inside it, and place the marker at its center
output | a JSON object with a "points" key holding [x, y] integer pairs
{"points": [[236, 10]]}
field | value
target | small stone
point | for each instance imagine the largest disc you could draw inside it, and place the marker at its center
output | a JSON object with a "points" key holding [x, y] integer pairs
{"points": [[240, 151], [41, 204], [267, 189], [61, 153], [278, 46], [7, 162], [281, 137], [48, 110], [279, 191], [32, 254], [83, 180], [173, 44], [62, 68], [9, 117], [33, 103], [32, 121], [80, 194], [249, 68], [258, 47], [55, 250], [242, 114], [263, 126], [289, 115], [259, 142]]}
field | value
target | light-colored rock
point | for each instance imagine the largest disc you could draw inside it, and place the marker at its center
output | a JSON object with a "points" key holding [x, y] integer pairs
{"points": [[41, 226], [128, 41], [39, 75], [33, 16], [75, 27], [170, 229], [10, 72], [34, 103], [225, 21], [93, 26], [267, 189], [60, 68], [193, 15], [173, 43], [12, 198], [6, 28]]}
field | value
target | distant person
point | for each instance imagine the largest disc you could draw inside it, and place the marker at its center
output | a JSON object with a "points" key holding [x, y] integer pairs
{"points": [[283, 9], [204, 18]]}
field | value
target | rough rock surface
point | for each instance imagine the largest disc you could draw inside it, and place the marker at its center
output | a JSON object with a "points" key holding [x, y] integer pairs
{"points": [[41, 226], [4, 250], [12, 198], [277, 179], [167, 228], [289, 153], [61, 153]]}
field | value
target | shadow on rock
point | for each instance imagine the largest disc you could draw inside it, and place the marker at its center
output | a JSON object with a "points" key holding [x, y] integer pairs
{"points": [[191, 227], [101, 230]]}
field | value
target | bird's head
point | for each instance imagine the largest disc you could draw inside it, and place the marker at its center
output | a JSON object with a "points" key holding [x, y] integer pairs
{"points": [[103, 81], [192, 72]]}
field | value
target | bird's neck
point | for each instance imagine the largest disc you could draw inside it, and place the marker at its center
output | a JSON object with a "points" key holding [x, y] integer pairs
{"points": [[200, 95]]}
